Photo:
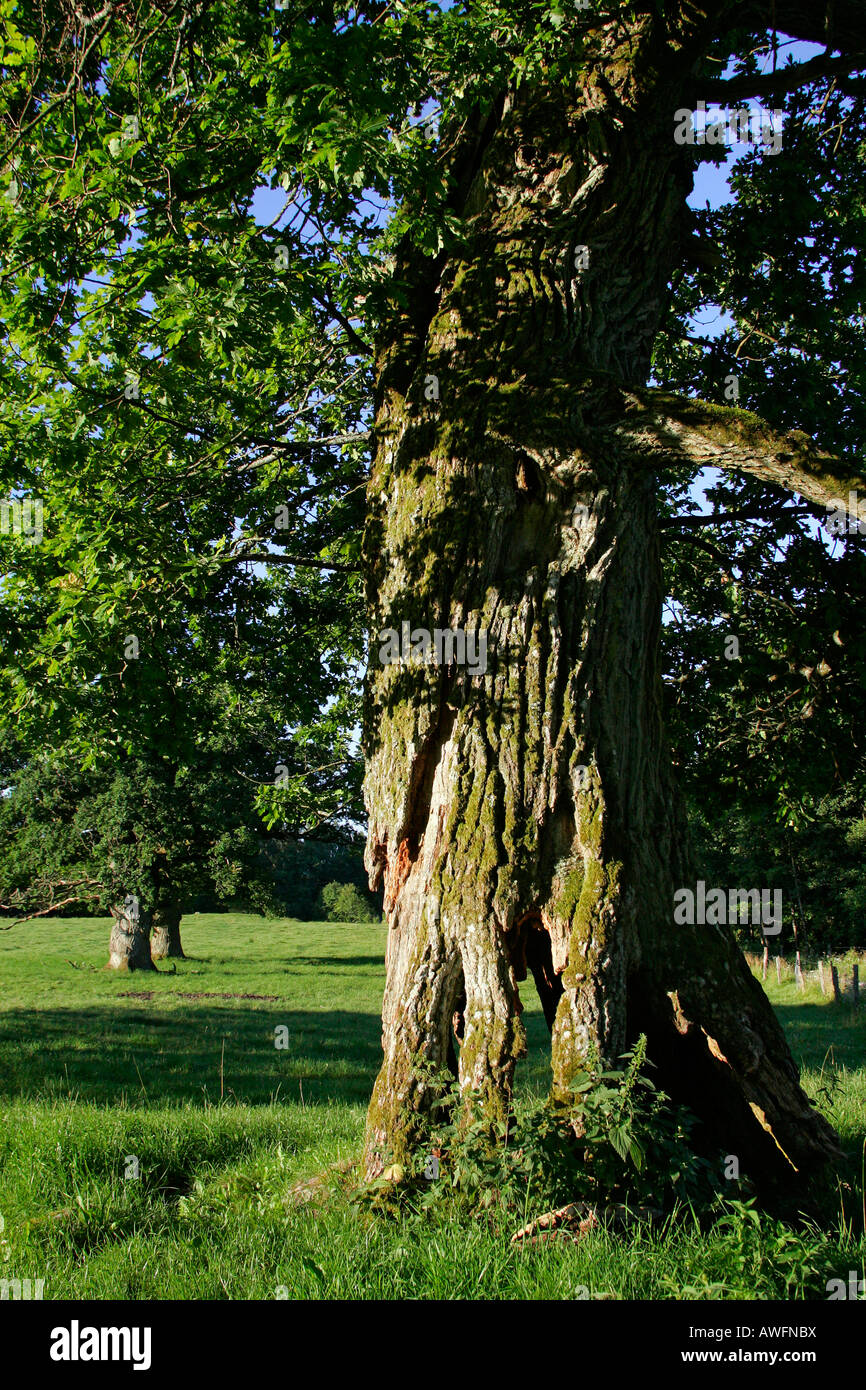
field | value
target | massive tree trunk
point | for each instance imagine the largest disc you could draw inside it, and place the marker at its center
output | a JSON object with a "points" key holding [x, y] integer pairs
{"points": [[525, 818], [129, 946], [165, 940]]}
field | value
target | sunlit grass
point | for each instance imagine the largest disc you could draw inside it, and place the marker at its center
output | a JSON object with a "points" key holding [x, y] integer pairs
{"points": [[104, 1076]]}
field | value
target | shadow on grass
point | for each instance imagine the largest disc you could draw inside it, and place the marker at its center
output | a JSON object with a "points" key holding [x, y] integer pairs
{"points": [[328, 962], [144, 1051]]}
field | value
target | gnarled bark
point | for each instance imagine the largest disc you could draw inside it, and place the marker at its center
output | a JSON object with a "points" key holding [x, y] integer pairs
{"points": [[538, 796], [129, 945], [165, 938]]}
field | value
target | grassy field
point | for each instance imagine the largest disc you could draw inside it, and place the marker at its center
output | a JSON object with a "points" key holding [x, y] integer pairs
{"points": [[176, 1077]]}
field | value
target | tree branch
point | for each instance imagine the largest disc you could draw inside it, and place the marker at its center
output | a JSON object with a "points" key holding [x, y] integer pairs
{"points": [[265, 557], [669, 430], [354, 337], [303, 446], [53, 906], [742, 514], [777, 84]]}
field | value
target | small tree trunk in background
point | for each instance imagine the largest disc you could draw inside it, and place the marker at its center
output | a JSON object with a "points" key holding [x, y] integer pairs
{"points": [[855, 984], [778, 970], [165, 940], [129, 945], [798, 917]]}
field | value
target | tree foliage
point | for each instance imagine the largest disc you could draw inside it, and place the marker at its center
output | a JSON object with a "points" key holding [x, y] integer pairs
{"points": [[202, 209]]}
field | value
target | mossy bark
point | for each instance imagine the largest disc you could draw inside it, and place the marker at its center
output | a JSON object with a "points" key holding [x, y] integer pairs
{"points": [[129, 944], [165, 939], [538, 795]]}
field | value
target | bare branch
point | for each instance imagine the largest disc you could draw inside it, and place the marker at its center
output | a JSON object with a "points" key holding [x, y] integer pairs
{"points": [[265, 557], [741, 514], [302, 446], [776, 84], [837, 24], [54, 906]]}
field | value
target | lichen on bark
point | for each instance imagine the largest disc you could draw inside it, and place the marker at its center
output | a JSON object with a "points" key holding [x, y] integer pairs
{"points": [[537, 796], [129, 943]]}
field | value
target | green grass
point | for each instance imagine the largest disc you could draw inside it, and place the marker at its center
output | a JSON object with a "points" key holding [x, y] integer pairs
{"points": [[98, 1069]]}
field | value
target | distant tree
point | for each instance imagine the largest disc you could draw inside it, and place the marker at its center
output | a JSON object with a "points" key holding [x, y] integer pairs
{"points": [[166, 773], [189, 618], [819, 867], [344, 902], [298, 868]]}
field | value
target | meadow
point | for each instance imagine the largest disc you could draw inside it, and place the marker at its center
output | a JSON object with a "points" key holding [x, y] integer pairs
{"points": [[157, 1143]]}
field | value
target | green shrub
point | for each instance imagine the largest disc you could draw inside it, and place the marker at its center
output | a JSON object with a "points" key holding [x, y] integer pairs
{"points": [[344, 902]]}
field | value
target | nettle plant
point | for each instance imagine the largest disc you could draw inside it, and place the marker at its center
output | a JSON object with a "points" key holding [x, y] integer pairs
{"points": [[614, 1137]]}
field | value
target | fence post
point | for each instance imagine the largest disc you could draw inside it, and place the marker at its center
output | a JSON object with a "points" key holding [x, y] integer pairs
{"points": [[798, 972], [834, 973], [855, 984], [778, 970], [766, 960], [821, 976]]}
